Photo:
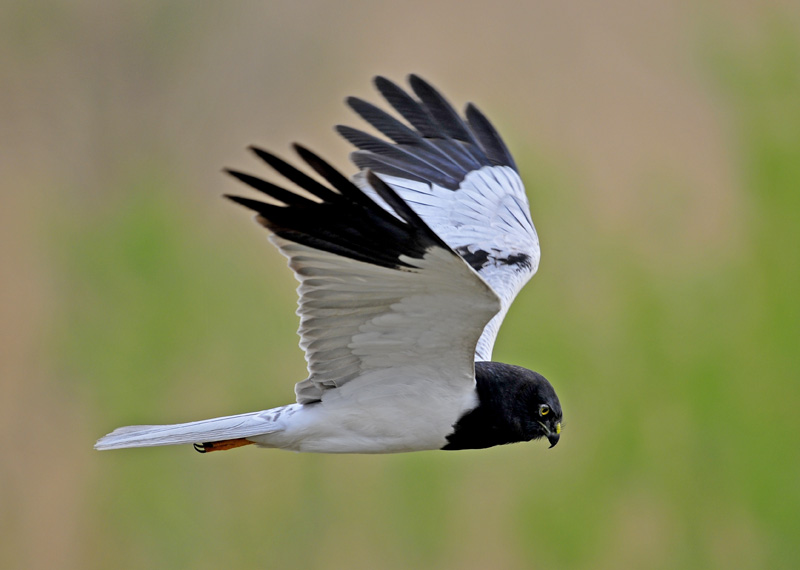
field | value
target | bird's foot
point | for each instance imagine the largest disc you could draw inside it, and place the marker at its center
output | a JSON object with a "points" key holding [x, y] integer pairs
{"points": [[223, 445]]}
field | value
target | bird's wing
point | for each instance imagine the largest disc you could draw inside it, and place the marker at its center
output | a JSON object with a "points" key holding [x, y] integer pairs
{"points": [[379, 291], [459, 177]]}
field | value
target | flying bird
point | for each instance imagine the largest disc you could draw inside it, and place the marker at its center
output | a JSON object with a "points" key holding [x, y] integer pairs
{"points": [[406, 272]]}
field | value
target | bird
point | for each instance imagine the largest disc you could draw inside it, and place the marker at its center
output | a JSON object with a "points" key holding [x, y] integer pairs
{"points": [[406, 272]]}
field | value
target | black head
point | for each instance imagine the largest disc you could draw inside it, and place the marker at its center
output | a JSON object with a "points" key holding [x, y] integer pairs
{"points": [[514, 404], [538, 398]]}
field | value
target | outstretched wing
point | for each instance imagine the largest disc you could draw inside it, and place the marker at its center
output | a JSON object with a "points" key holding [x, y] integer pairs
{"points": [[459, 177], [382, 298]]}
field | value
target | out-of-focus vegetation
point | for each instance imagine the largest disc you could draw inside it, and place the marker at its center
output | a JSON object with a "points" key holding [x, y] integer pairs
{"points": [[665, 314]]}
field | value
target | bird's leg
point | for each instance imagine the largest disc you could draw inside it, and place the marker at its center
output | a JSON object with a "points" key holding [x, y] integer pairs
{"points": [[223, 445]]}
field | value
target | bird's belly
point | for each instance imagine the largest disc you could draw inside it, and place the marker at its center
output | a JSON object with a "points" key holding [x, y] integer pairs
{"points": [[370, 425]]}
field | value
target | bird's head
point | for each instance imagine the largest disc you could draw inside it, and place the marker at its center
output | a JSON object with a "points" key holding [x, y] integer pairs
{"points": [[543, 409], [519, 405]]}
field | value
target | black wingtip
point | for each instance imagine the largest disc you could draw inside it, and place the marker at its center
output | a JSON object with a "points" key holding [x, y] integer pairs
{"points": [[303, 151], [379, 80], [250, 180], [238, 175], [335, 178], [259, 152], [345, 221], [489, 138], [273, 160], [423, 89], [248, 203], [413, 79]]}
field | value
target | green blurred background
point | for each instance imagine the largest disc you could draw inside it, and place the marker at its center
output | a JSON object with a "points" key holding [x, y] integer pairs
{"points": [[660, 145]]}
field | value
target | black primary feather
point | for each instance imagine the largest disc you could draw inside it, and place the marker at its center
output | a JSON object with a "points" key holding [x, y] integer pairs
{"points": [[438, 147], [346, 222], [290, 172], [402, 134], [489, 138], [432, 125]]}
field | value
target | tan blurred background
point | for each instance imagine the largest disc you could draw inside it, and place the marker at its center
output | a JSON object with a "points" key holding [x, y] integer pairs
{"points": [[659, 144]]}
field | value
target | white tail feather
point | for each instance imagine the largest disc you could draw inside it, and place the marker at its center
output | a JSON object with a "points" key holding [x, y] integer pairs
{"points": [[216, 429]]}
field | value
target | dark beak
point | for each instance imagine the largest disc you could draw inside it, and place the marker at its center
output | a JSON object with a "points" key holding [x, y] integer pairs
{"points": [[553, 433]]}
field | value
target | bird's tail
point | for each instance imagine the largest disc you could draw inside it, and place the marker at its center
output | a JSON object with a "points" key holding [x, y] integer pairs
{"points": [[231, 429]]}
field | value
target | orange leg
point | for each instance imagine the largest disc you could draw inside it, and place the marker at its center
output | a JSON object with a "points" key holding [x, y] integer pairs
{"points": [[223, 445]]}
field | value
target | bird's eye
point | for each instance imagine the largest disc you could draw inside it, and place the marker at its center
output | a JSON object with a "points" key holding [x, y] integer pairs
{"points": [[544, 409]]}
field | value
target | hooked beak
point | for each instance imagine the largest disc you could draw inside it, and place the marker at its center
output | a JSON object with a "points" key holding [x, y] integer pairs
{"points": [[553, 435]]}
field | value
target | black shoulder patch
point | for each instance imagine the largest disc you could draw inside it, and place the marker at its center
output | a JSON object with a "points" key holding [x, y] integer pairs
{"points": [[521, 260], [479, 258]]}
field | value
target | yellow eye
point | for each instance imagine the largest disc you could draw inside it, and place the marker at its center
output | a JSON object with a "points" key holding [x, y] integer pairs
{"points": [[544, 409]]}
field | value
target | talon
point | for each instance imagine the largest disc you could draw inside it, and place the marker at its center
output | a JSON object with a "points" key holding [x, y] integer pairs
{"points": [[223, 445]]}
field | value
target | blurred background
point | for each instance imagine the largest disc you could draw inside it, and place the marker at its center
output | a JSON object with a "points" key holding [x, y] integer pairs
{"points": [[660, 146]]}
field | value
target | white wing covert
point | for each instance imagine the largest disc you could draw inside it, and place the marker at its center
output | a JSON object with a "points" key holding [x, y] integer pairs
{"points": [[378, 289], [459, 178]]}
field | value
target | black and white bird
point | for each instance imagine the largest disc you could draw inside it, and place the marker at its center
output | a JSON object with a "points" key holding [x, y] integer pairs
{"points": [[406, 272]]}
